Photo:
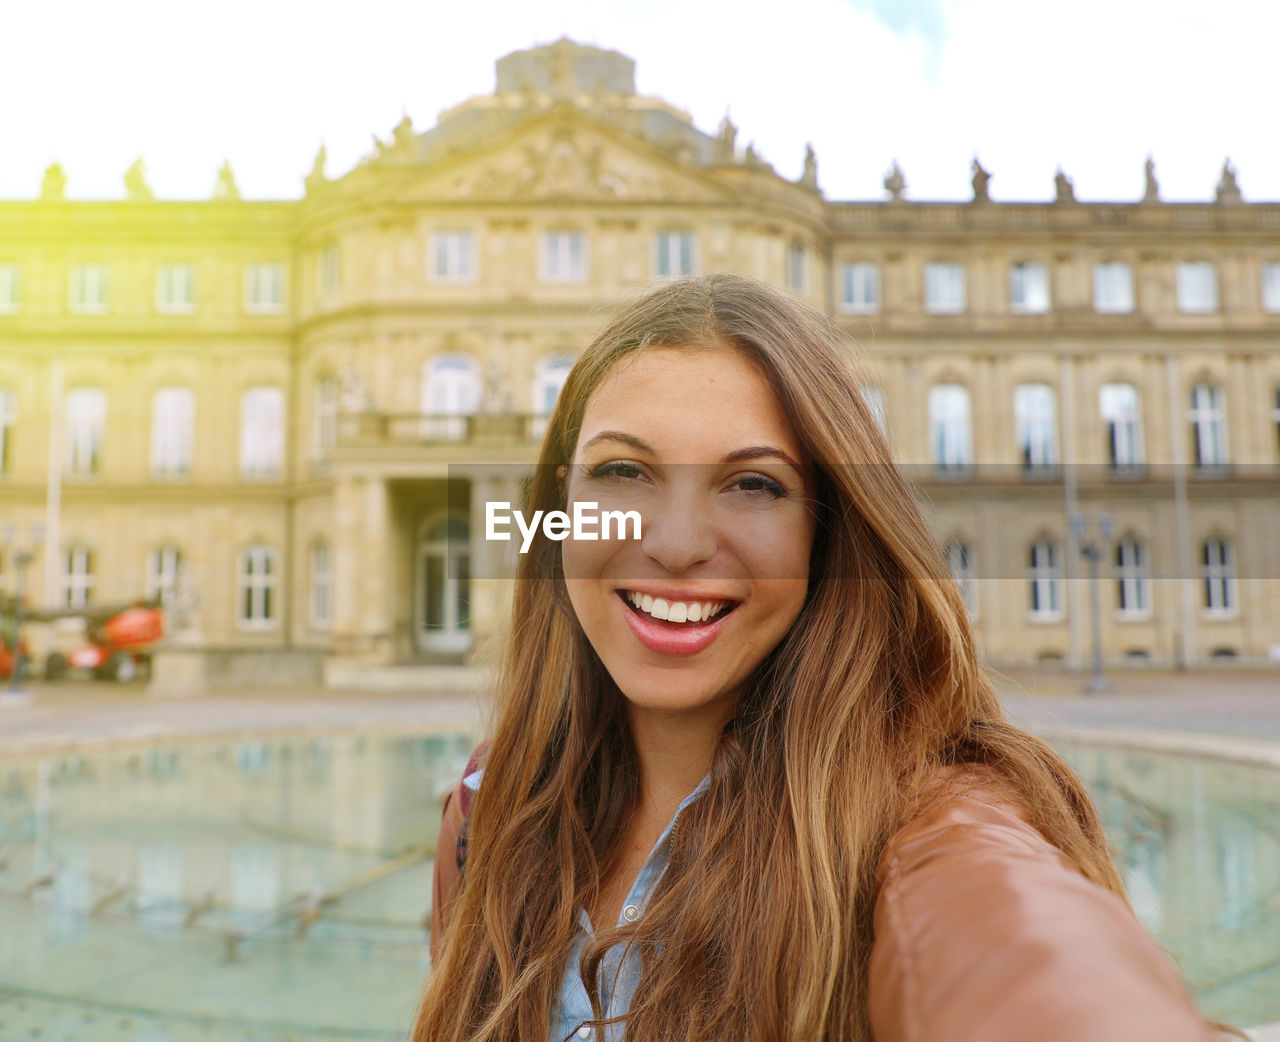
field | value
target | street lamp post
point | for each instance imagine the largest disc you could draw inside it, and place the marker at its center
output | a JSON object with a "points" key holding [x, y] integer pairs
{"points": [[22, 556], [1093, 551]]}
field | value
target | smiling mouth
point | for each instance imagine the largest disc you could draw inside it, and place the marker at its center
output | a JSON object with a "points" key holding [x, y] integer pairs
{"points": [[677, 613]]}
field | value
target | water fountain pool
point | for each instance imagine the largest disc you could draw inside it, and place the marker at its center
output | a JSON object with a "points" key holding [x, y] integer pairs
{"points": [[275, 889]]}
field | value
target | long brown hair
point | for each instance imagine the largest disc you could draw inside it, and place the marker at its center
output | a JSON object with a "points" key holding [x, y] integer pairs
{"points": [[763, 917]]}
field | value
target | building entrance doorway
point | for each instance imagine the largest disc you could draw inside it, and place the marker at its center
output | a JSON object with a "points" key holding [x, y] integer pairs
{"points": [[442, 585]]}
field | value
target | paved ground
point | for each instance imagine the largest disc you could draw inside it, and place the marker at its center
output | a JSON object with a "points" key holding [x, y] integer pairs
{"points": [[1234, 703]]}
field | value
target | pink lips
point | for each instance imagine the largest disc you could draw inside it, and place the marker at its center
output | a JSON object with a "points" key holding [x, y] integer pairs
{"points": [[672, 638]]}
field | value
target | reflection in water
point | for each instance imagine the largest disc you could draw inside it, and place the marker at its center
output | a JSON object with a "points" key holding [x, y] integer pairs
{"points": [[277, 889], [1198, 845]]}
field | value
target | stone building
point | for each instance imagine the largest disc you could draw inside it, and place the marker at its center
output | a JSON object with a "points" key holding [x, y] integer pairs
{"points": [[287, 416]]}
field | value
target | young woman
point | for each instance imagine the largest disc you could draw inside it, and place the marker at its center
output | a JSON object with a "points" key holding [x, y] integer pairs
{"points": [[747, 779]]}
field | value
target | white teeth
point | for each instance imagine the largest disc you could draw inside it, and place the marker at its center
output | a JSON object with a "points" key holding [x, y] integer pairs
{"points": [[678, 611]]}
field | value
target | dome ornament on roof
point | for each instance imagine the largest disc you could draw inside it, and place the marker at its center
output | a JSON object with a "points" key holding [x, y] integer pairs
{"points": [[53, 187]]}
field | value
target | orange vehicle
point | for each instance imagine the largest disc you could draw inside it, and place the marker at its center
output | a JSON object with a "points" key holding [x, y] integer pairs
{"points": [[9, 639], [119, 643]]}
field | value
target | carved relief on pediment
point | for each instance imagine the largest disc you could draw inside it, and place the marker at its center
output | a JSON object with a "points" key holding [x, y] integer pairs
{"points": [[564, 167]]}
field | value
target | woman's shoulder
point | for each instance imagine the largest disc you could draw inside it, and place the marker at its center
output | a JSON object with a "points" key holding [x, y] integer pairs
{"points": [[986, 930]]}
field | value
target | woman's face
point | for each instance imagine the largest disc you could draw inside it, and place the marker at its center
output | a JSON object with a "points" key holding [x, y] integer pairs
{"points": [[694, 439]]}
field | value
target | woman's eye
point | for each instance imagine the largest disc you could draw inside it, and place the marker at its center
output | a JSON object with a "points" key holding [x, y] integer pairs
{"points": [[614, 469], [760, 486]]}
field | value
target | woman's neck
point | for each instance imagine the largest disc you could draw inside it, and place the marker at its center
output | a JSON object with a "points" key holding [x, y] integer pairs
{"points": [[675, 751]]}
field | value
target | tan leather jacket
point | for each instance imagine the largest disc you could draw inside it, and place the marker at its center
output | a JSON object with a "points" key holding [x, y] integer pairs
{"points": [[985, 932]]}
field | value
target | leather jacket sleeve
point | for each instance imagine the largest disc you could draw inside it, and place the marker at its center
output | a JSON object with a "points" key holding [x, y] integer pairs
{"points": [[447, 877], [986, 932]]}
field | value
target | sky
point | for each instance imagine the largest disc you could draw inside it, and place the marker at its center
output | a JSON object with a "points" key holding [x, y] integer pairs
{"points": [[1028, 86]]}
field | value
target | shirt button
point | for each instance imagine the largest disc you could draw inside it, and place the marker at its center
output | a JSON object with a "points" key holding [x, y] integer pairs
{"points": [[631, 913], [584, 1031]]}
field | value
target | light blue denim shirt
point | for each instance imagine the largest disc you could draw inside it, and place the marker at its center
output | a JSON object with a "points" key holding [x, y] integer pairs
{"points": [[571, 1011]]}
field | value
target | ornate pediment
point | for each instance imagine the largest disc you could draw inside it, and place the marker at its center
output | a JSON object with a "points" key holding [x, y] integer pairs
{"points": [[564, 164]]}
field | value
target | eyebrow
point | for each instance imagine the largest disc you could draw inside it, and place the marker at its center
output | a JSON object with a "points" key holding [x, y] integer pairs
{"points": [[737, 456]]}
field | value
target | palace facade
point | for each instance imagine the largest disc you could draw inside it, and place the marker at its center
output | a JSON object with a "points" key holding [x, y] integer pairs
{"points": [[286, 417]]}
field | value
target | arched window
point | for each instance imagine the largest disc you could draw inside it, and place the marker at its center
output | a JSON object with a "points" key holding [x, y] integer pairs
{"points": [[173, 414], [256, 584], [1133, 578], [1208, 417], [326, 415], [549, 376], [163, 564], [77, 576], [1218, 573], [950, 427], [86, 425], [874, 397], [1035, 413], [1122, 416], [321, 586], [959, 556], [450, 393], [1045, 578]]}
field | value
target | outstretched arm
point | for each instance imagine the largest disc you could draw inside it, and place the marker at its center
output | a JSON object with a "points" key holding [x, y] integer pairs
{"points": [[986, 932]]}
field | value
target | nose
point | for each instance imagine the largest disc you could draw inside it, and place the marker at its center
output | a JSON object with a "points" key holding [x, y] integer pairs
{"points": [[680, 533]]}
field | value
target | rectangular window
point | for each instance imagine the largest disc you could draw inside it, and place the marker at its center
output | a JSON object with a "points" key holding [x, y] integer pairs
{"points": [[1271, 287], [176, 288], [1029, 288], [564, 257], [264, 288], [321, 587], [860, 288], [1113, 288], [89, 288], [452, 257], [262, 432], [1219, 575], [1046, 581], [1132, 578], [256, 587], [1197, 288], [330, 269], [797, 267], [944, 288], [8, 288], [675, 254], [77, 577], [86, 423], [8, 418], [173, 412], [162, 574]]}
